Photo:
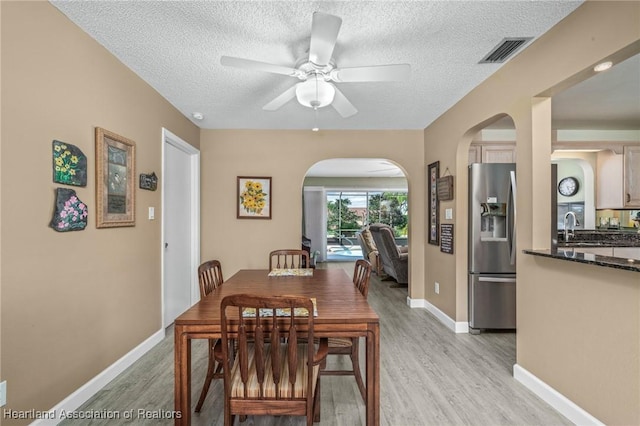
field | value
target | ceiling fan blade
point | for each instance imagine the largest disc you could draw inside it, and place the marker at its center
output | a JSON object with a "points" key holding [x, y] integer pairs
{"points": [[282, 99], [324, 33], [230, 61], [398, 72], [342, 105]]}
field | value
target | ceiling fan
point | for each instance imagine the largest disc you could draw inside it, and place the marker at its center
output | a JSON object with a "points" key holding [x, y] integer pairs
{"points": [[318, 71]]}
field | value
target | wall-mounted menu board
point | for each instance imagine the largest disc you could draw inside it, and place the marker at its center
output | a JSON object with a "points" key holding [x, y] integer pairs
{"points": [[446, 238]]}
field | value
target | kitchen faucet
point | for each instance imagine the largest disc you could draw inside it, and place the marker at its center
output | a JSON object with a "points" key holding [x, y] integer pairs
{"points": [[569, 233]]}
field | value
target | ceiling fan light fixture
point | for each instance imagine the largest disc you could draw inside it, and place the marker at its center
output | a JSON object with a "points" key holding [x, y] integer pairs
{"points": [[315, 93]]}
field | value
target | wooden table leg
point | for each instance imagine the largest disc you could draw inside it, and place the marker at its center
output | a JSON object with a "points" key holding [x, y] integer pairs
{"points": [[182, 372], [373, 375]]}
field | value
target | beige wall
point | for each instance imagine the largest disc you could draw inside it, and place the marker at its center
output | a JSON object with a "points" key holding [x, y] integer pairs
{"points": [[578, 325], [286, 156], [72, 303]]}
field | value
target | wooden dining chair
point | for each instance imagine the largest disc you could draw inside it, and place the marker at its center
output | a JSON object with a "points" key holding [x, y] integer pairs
{"points": [[267, 378], [210, 278], [350, 345], [289, 259]]}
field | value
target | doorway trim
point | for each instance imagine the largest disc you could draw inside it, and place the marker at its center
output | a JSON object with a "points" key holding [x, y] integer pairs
{"points": [[194, 153]]}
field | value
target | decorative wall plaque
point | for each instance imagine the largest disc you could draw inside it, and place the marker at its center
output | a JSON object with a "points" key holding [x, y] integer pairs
{"points": [[445, 188], [149, 182], [446, 238], [70, 213], [69, 164]]}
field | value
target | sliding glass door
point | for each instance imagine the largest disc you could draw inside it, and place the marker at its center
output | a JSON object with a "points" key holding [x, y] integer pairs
{"points": [[350, 211]]}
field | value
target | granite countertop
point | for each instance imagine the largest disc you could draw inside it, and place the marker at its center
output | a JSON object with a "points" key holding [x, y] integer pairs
{"points": [[601, 238], [588, 258]]}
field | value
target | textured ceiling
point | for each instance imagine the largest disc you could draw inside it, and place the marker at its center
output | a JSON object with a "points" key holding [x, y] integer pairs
{"points": [[176, 47]]}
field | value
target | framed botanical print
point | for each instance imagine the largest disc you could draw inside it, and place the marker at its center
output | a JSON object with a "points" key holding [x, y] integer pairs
{"points": [[433, 173], [115, 171], [254, 197]]}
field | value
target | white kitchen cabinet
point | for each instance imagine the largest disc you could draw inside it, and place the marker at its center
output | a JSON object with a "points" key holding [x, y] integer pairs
{"points": [[475, 155], [627, 252], [492, 153], [499, 153], [632, 176], [609, 191]]}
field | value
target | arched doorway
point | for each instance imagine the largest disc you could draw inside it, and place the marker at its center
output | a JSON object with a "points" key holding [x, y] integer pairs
{"points": [[342, 195], [487, 281]]}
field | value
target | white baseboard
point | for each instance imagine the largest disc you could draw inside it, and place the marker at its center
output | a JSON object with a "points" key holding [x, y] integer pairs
{"points": [[86, 391], [456, 327], [554, 398]]}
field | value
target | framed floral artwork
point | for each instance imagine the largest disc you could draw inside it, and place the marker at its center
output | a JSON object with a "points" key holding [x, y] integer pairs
{"points": [[254, 197], [115, 171]]}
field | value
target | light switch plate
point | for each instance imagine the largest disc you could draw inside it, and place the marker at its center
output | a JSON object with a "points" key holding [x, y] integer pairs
{"points": [[448, 213], [3, 393], [152, 213]]}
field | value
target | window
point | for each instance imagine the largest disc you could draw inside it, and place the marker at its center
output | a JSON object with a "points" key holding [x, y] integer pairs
{"points": [[349, 211]]}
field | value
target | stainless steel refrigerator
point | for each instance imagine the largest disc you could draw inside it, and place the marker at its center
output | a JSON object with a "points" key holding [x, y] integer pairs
{"points": [[492, 246]]}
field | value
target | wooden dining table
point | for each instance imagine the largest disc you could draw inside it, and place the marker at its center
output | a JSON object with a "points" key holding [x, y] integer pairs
{"points": [[341, 312]]}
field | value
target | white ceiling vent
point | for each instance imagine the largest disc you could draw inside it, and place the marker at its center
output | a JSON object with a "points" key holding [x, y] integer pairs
{"points": [[504, 50]]}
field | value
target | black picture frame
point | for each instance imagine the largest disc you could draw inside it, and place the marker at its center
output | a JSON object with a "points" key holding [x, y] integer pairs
{"points": [[433, 173]]}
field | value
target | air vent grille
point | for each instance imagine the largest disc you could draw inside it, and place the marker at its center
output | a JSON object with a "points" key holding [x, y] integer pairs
{"points": [[504, 50]]}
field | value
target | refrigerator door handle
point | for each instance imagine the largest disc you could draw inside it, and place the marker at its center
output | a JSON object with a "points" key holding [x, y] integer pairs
{"points": [[496, 279], [512, 231]]}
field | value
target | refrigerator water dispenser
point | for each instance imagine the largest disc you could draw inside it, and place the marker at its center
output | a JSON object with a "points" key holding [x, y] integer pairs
{"points": [[493, 222]]}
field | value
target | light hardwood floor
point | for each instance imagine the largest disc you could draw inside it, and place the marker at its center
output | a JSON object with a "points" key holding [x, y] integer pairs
{"points": [[429, 376]]}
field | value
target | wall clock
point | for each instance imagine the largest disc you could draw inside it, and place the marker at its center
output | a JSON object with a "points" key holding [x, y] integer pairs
{"points": [[568, 186]]}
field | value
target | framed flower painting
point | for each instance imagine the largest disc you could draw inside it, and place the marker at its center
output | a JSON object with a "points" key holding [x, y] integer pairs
{"points": [[254, 197]]}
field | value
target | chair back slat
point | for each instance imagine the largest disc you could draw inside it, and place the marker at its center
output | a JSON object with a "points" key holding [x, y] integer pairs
{"points": [[289, 259], [275, 355], [362, 276], [259, 336], [209, 277], [259, 356], [292, 356]]}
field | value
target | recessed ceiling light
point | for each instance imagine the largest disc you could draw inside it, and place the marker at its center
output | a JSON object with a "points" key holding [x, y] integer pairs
{"points": [[603, 66], [197, 115]]}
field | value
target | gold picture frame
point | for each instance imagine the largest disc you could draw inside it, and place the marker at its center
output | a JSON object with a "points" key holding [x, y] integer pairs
{"points": [[115, 171], [254, 197]]}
